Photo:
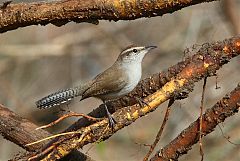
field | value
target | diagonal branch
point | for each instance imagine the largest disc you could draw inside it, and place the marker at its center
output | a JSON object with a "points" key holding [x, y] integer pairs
{"points": [[204, 63], [226, 107], [59, 13]]}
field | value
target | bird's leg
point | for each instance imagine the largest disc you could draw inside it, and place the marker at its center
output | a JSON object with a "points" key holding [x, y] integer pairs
{"points": [[111, 120], [141, 101]]}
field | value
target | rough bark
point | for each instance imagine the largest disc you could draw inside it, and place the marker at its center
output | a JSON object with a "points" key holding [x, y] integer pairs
{"points": [[21, 132], [226, 107], [13, 16]]}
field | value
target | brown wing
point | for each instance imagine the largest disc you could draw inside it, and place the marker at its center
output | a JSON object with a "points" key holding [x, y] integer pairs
{"points": [[115, 82]]}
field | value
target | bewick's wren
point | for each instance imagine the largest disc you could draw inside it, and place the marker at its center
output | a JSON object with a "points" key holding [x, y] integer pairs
{"points": [[118, 80]]}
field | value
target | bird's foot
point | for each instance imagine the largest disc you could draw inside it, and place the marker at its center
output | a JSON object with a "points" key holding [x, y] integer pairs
{"points": [[111, 120], [141, 102]]}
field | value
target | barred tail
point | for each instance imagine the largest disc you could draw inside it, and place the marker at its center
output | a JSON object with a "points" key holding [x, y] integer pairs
{"points": [[60, 97]]}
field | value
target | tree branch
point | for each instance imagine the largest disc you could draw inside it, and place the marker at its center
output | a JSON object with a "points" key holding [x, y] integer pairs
{"points": [[59, 13], [204, 63], [226, 107], [21, 132]]}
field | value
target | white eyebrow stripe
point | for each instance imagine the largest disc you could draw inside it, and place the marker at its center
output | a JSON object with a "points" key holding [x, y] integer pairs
{"points": [[130, 49]]}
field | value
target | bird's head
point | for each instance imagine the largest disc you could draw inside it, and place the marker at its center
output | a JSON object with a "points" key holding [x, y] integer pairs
{"points": [[134, 54]]}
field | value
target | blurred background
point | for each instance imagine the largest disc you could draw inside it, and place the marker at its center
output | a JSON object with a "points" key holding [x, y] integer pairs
{"points": [[38, 60]]}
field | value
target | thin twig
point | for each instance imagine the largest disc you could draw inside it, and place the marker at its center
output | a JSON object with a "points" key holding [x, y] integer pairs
{"points": [[54, 136], [159, 134], [201, 119], [5, 4], [38, 155], [227, 137], [217, 87], [66, 116]]}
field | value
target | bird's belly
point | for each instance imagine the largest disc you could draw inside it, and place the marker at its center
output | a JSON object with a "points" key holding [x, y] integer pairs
{"points": [[115, 95], [128, 88], [134, 73], [132, 83]]}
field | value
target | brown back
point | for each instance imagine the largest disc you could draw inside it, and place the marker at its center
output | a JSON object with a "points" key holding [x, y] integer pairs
{"points": [[111, 80]]}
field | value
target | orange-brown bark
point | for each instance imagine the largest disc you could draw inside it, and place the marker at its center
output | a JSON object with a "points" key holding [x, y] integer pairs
{"points": [[226, 107], [13, 16]]}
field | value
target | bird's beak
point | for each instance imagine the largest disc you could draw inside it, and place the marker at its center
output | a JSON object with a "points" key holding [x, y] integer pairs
{"points": [[150, 47]]}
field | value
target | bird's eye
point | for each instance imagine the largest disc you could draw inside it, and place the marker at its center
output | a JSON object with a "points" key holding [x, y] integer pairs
{"points": [[135, 50]]}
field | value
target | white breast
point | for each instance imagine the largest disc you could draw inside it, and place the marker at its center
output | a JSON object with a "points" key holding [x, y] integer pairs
{"points": [[134, 72]]}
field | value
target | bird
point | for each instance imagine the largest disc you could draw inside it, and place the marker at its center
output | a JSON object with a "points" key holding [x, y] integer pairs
{"points": [[116, 81]]}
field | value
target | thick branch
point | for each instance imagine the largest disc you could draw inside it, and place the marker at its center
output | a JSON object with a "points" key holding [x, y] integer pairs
{"points": [[226, 107], [59, 13], [204, 63], [21, 132]]}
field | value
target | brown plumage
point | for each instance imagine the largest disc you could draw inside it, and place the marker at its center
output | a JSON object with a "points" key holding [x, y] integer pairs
{"points": [[119, 79], [100, 88]]}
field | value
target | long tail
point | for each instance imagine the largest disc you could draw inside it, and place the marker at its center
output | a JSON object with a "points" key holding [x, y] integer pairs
{"points": [[60, 97]]}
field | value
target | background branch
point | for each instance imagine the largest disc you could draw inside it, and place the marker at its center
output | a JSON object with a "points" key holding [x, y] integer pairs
{"points": [[59, 13], [226, 107]]}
